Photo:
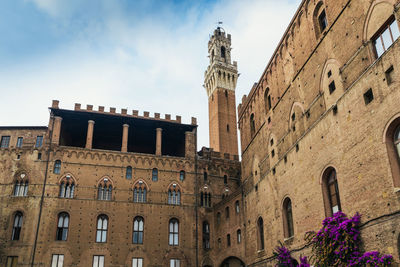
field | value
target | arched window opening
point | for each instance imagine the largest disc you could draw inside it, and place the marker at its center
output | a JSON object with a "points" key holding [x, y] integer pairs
{"points": [[239, 236], [128, 173], [252, 125], [260, 229], [320, 19], [206, 235], [174, 195], [228, 240], [386, 36], [57, 167], [140, 192], [223, 52], [104, 190], [67, 187], [205, 199], [225, 179], [173, 232], [267, 101], [205, 176], [227, 212], [323, 22], [154, 175], [330, 192], [21, 185], [182, 175], [138, 229], [288, 218], [218, 218], [397, 141], [62, 226], [17, 226], [237, 207], [102, 227]]}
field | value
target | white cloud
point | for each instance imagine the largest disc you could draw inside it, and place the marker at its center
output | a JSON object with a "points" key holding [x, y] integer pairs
{"points": [[149, 65]]}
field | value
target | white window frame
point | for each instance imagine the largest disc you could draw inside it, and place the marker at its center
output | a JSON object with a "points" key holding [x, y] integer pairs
{"points": [[57, 260], [98, 261]]}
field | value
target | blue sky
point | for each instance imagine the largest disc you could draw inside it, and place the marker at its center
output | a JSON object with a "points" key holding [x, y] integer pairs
{"points": [[148, 55]]}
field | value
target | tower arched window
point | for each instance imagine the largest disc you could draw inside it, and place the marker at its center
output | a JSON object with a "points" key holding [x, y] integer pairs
{"points": [[57, 167], [228, 240], [138, 229], [154, 175], [174, 195], [260, 229], [320, 19], [206, 235], [17, 226], [102, 227], [237, 206], [223, 52], [225, 179], [182, 175], [267, 100], [128, 174], [104, 190], [173, 232], [239, 236], [252, 125], [140, 192], [21, 185], [62, 226], [227, 212], [288, 218], [205, 176], [67, 187], [330, 192]]}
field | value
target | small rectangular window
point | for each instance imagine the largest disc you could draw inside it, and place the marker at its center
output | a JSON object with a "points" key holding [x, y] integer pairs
{"points": [[12, 261], [174, 263], [137, 262], [368, 96], [57, 260], [5, 141], [39, 156], [332, 87], [20, 141], [98, 261], [39, 141], [389, 75]]}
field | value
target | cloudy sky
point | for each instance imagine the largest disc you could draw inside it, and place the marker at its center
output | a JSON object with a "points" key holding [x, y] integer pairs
{"points": [[148, 55]]}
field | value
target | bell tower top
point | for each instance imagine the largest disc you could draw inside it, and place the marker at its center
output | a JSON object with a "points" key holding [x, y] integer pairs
{"points": [[220, 83]]}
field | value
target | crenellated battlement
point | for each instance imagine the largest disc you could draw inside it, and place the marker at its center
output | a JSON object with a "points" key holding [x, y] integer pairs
{"points": [[124, 112], [209, 153]]}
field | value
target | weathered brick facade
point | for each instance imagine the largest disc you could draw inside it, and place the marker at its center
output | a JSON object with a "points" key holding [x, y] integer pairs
{"points": [[327, 102]]}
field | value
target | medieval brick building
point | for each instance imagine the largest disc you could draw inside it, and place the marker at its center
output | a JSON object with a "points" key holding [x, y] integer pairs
{"points": [[319, 132]]}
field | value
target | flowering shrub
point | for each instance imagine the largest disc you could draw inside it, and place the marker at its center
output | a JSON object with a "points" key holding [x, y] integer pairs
{"points": [[337, 243]]}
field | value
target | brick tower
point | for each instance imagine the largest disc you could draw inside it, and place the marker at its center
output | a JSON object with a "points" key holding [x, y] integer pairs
{"points": [[220, 82]]}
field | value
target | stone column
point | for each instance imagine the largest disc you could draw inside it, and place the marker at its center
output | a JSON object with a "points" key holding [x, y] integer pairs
{"points": [[125, 131], [158, 141], [89, 135], [56, 130]]}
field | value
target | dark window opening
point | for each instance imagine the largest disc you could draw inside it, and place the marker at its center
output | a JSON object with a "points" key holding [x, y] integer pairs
{"points": [[288, 218], [329, 74], [368, 96], [260, 229], [273, 153], [252, 125], [272, 142], [39, 156], [206, 235], [228, 240], [225, 179], [323, 22], [293, 116], [227, 128], [389, 75], [205, 176], [227, 212], [332, 87], [226, 93], [223, 52]]}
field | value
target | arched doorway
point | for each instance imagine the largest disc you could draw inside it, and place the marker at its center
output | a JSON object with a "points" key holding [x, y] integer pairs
{"points": [[232, 262]]}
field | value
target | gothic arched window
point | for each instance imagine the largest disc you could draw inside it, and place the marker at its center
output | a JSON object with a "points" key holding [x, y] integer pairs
{"points": [[138, 229], [17, 226], [67, 187], [320, 19], [102, 227], [237, 206], [174, 195], [62, 226], [140, 192], [104, 190], [206, 235], [57, 167], [330, 192], [173, 232], [267, 100], [260, 229], [252, 125], [288, 218], [21, 185]]}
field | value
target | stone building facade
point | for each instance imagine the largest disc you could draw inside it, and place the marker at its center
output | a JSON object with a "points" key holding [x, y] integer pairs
{"points": [[319, 132]]}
